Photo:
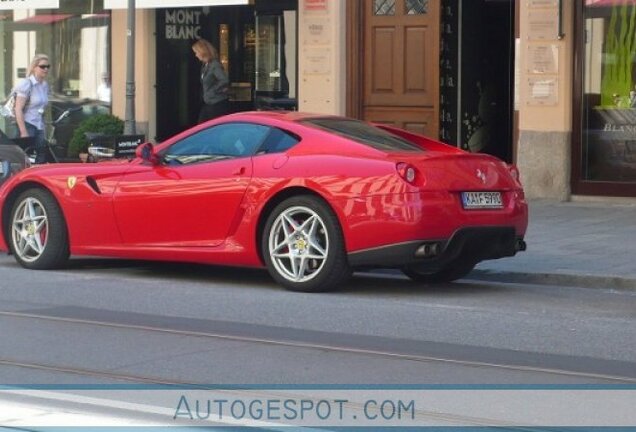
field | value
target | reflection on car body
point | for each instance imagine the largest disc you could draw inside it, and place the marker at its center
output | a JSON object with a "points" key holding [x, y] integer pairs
{"points": [[189, 159]]}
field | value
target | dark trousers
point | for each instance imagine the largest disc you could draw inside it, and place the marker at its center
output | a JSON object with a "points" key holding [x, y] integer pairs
{"points": [[39, 141], [208, 112]]}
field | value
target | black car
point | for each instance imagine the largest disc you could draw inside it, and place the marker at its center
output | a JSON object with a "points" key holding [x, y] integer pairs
{"points": [[12, 158], [80, 110]]}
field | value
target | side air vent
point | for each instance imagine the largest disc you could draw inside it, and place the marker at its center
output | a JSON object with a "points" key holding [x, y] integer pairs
{"points": [[93, 184]]}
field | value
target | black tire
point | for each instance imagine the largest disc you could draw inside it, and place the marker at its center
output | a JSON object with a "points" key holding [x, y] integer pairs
{"points": [[38, 237], [453, 272], [318, 248]]}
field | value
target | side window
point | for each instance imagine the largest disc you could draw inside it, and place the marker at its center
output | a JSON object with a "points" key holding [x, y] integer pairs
{"points": [[278, 141], [226, 141]]}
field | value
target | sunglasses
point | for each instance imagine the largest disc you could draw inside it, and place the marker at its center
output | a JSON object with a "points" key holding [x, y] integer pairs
{"points": [[44, 66]]}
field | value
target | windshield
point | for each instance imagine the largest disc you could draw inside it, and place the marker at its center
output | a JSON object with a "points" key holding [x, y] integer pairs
{"points": [[364, 133]]}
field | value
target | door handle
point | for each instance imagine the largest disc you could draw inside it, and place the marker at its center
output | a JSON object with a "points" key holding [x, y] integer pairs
{"points": [[239, 171]]}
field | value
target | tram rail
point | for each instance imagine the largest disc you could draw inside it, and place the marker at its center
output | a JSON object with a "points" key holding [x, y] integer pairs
{"points": [[284, 342]]}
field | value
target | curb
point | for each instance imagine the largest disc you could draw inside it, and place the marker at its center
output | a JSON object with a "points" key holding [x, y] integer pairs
{"points": [[560, 279]]}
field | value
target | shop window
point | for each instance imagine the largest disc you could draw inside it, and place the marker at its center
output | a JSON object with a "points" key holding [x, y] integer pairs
{"points": [[383, 7], [76, 37], [276, 61], [609, 86]]}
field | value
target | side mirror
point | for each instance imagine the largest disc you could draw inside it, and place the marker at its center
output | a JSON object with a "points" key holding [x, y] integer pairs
{"points": [[146, 152]]}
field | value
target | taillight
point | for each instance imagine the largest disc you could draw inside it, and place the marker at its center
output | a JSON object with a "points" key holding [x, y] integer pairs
{"points": [[514, 172], [407, 172]]}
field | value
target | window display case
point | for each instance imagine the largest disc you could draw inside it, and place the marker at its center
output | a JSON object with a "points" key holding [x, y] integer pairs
{"points": [[268, 54], [275, 75]]}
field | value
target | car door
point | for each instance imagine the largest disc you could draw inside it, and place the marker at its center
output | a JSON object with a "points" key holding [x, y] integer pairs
{"points": [[192, 196]]}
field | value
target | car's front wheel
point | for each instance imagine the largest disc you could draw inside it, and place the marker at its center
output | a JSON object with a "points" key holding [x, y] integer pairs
{"points": [[39, 239], [303, 245], [453, 272]]}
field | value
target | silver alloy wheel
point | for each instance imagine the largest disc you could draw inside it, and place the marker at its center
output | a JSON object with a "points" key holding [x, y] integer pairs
{"points": [[298, 244], [30, 229]]}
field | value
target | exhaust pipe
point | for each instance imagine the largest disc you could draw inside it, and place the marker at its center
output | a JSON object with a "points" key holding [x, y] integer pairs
{"points": [[520, 245], [427, 250]]}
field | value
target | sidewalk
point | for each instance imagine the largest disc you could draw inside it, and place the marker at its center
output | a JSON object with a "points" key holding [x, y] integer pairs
{"points": [[584, 244]]}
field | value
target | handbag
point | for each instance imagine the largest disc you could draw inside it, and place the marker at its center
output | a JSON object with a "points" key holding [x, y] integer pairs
{"points": [[8, 108]]}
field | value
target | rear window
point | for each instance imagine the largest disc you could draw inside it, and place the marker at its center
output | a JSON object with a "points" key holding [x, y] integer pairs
{"points": [[364, 133]]}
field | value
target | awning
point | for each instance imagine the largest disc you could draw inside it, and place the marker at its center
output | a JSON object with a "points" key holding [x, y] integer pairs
{"points": [[155, 4], [609, 3], [35, 22], [604, 8], [43, 19]]}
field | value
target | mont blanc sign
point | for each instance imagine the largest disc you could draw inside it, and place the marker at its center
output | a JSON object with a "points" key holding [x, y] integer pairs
{"points": [[154, 4], [29, 4], [183, 24]]}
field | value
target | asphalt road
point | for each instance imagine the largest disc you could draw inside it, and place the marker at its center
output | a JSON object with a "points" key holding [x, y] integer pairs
{"points": [[107, 321]]}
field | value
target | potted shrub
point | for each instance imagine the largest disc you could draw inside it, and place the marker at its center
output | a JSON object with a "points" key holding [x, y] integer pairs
{"points": [[100, 124]]}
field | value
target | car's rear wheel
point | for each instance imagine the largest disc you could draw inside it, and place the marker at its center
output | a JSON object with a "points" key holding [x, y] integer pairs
{"points": [[453, 272], [39, 239], [303, 245]]}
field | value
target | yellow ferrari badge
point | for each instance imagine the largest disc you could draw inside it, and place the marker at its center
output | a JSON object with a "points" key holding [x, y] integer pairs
{"points": [[71, 182]]}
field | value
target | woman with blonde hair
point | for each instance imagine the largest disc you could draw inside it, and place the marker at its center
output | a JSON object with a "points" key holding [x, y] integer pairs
{"points": [[214, 81], [32, 96]]}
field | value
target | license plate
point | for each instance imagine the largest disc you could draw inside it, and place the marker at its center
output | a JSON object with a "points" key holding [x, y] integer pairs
{"points": [[481, 200]]}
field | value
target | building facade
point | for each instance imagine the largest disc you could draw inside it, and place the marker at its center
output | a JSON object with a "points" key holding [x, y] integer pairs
{"points": [[546, 84]]}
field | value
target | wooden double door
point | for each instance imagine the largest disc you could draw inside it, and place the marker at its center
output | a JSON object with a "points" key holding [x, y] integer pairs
{"points": [[398, 73]]}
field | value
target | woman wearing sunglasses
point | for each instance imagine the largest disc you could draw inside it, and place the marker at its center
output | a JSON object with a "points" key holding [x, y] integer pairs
{"points": [[32, 96]]}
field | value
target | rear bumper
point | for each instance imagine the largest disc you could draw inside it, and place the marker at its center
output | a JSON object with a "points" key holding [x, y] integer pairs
{"points": [[383, 220], [471, 244]]}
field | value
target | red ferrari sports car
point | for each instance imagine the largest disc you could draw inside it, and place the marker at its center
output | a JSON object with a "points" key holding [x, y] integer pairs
{"points": [[310, 197]]}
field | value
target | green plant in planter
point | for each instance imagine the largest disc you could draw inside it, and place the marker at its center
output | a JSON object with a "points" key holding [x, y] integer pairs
{"points": [[106, 124]]}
